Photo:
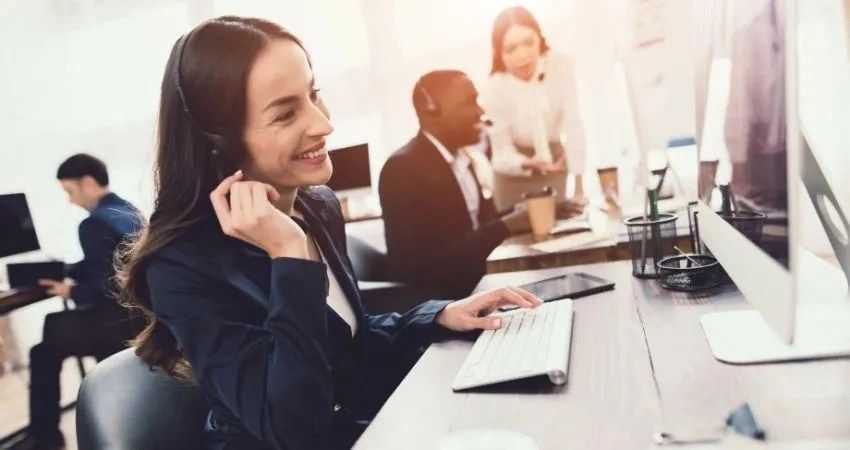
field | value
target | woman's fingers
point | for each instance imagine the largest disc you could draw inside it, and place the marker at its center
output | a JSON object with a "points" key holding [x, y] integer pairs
{"points": [[485, 323], [273, 195], [500, 297], [508, 296], [223, 188], [260, 200], [236, 216], [533, 299], [246, 195], [221, 206]]}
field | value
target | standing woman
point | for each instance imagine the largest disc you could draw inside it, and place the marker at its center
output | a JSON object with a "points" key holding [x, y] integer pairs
{"points": [[242, 271], [537, 135]]}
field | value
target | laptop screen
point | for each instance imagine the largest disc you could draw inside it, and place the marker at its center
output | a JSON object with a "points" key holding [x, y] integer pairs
{"points": [[351, 168], [17, 231]]}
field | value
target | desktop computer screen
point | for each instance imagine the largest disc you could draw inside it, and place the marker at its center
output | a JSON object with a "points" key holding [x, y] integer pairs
{"points": [[350, 168], [17, 231], [741, 99], [748, 122]]}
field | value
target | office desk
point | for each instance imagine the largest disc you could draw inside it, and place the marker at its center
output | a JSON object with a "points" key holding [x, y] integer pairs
{"points": [[515, 254], [363, 217], [639, 363], [10, 302]]}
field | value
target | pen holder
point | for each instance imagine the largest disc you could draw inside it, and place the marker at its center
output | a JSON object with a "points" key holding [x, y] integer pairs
{"points": [[649, 242], [748, 223], [690, 273]]}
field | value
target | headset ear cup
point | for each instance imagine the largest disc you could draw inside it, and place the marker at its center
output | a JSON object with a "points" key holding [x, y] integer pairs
{"points": [[429, 104], [221, 149], [430, 107], [433, 108]]}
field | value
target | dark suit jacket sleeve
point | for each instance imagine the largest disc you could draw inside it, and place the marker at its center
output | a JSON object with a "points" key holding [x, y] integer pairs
{"points": [[274, 377], [406, 220], [93, 275], [409, 331]]}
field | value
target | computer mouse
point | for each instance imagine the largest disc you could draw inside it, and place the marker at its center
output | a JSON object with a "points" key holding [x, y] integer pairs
{"points": [[487, 439]]}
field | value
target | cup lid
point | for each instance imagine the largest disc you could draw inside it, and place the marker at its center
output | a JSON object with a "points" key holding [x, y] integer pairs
{"points": [[545, 191]]}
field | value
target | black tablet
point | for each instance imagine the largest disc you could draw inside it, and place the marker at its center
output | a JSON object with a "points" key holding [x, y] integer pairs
{"points": [[571, 285]]}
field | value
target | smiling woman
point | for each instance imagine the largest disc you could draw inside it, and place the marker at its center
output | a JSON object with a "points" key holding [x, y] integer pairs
{"points": [[244, 279], [285, 136]]}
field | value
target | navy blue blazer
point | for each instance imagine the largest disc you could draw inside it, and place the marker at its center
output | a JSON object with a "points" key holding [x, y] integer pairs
{"points": [[279, 367], [113, 220]]}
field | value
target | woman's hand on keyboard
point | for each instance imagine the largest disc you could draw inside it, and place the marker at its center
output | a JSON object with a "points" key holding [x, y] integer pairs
{"points": [[473, 312]]}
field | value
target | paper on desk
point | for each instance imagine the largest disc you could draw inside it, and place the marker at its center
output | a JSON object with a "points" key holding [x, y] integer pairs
{"points": [[569, 242], [570, 226]]}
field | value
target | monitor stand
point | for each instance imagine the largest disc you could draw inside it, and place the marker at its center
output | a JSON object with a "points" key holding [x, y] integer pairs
{"points": [[822, 327], [743, 337]]}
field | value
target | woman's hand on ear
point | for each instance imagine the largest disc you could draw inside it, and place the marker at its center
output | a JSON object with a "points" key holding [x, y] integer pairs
{"points": [[473, 312], [249, 215]]}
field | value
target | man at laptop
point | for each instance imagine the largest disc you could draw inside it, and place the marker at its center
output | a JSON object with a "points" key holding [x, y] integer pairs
{"points": [[439, 227], [98, 326]]}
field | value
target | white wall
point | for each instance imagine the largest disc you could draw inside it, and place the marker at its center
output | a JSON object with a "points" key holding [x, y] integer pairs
{"points": [[84, 75], [74, 81]]}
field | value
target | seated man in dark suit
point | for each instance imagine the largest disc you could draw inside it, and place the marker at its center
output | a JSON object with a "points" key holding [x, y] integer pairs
{"points": [[98, 326], [439, 228]]}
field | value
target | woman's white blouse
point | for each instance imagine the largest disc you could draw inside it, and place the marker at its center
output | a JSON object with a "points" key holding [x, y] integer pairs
{"points": [[533, 114], [337, 299]]}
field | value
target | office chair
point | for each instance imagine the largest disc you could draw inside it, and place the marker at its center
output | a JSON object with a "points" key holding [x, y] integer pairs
{"points": [[380, 294], [122, 404]]}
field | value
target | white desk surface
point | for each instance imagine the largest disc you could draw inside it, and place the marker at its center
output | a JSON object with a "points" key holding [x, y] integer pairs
{"points": [[639, 363]]}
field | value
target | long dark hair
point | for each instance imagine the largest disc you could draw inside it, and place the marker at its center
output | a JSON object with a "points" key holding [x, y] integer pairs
{"points": [[216, 58], [516, 15]]}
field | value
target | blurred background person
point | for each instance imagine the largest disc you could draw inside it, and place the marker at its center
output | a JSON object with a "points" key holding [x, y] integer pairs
{"points": [[98, 326], [531, 96], [439, 227]]}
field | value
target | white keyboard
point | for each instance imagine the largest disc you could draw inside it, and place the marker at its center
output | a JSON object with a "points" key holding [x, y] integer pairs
{"points": [[529, 342]]}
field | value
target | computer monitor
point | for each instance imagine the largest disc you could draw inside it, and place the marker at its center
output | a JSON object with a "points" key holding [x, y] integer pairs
{"points": [[747, 114], [351, 174], [17, 231]]}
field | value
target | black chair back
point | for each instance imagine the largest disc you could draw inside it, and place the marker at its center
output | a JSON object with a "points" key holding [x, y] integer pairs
{"points": [[122, 404]]}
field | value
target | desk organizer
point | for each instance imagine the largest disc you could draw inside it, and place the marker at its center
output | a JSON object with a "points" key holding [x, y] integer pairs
{"points": [[649, 242], [690, 272]]}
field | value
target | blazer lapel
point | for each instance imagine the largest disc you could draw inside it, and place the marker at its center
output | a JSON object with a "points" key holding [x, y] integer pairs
{"points": [[445, 179], [316, 216], [235, 258]]}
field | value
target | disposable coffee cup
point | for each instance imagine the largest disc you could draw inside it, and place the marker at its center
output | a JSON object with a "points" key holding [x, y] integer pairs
{"points": [[540, 206]]}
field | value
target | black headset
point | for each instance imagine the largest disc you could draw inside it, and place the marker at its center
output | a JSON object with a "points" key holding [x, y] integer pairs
{"points": [[431, 107], [542, 75], [221, 145]]}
